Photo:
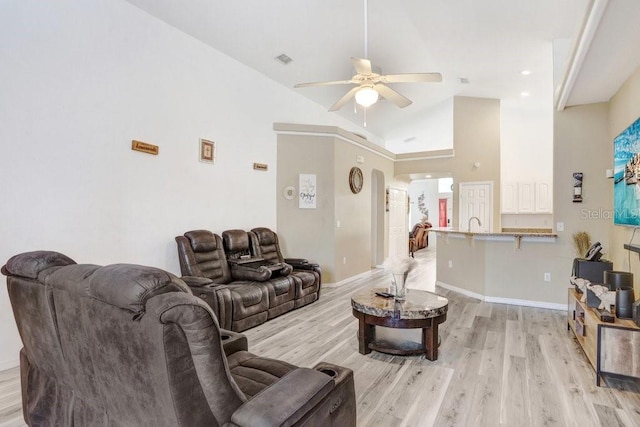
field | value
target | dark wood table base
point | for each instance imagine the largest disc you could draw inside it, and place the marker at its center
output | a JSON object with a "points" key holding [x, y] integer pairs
{"points": [[428, 346]]}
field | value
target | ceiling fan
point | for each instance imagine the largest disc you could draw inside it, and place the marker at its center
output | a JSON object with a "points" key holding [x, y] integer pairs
{"points": [[370, 85]]}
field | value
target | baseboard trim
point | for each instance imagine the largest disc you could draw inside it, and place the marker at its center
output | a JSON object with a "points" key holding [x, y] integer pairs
{"points": [[460, 290], [9, 364], [528, 303], [499, 300], [343, 281]]}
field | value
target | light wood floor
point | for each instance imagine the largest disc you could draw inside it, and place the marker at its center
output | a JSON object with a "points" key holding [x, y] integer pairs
{"points": [[499, 365]]}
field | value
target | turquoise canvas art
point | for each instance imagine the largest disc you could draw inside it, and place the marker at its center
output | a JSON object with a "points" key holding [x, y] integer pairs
{"points": [[626, 188]]}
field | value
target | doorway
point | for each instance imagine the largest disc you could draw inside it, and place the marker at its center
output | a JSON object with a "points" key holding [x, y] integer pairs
{"points": [[476, 200], [377, 217], [443, 219], [398, 218]]}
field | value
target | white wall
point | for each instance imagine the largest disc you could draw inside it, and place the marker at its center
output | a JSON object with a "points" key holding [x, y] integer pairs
{"points": [[432, 129], [430, 189], [526, 123], [526, 142], [80, 80]]}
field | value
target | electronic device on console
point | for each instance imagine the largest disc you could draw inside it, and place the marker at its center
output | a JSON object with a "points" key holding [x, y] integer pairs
{"points": [[594, 253]]}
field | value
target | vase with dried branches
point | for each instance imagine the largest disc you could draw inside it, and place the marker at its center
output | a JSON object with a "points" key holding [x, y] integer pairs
{"points": [[399, 269], [581, 242]]}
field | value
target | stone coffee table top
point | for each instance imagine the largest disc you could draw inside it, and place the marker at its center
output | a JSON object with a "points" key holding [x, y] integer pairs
{"points": [[417, 305]]}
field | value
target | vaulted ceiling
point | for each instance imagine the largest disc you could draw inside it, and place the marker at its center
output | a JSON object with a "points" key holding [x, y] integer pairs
{"points": [[487, 42]]}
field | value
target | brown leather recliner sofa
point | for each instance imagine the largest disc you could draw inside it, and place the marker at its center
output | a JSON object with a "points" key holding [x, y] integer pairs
{"points": [[126, 345], [265, 245], [243, 276]]}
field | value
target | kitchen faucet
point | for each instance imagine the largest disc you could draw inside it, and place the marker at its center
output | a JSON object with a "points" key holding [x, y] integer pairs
{"points": [[477, 219]]}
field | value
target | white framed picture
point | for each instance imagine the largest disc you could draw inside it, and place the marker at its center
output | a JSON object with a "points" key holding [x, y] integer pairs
{"points": [[307, 194]]}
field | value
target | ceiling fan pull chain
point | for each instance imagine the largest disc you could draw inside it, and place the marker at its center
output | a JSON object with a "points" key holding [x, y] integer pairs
{"points": [[365, 116], [366, 33]]}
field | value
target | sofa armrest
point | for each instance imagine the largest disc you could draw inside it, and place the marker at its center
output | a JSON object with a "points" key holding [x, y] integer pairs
{"points": [[196, 281], [296, 261], [216, 295], [233, 341], [301, 264], [286, 401], [253, 274]]}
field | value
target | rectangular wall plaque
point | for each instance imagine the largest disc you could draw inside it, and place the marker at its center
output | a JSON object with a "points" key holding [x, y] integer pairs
{"points": [[144, 147], [207, 151], [260, 166]]}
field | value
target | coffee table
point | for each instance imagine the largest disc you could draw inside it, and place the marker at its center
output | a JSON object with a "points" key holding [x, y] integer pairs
{"points": [[420, 309]]}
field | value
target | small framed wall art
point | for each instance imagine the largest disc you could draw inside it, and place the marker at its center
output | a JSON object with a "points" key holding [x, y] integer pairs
{"points": [[577, 187], [207, 151], [307, 192]]}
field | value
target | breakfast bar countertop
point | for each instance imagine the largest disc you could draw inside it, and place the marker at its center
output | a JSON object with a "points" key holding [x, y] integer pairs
{"points": [[531, 232]]}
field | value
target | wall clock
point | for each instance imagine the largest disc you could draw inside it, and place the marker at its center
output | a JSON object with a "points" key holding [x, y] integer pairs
{"points": [[355, 180]]}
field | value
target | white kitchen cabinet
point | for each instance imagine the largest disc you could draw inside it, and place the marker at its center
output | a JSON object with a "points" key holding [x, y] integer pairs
{"points": [[544, 198], [527, 197], [509, 198]]}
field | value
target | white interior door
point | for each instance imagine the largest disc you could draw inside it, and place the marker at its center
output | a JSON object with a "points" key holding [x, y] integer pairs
{"points": [[476, 199], [398, 218]]}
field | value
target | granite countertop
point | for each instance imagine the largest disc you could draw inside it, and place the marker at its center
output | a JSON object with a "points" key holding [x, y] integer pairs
{"points": [[417, 305], [531, 232]]}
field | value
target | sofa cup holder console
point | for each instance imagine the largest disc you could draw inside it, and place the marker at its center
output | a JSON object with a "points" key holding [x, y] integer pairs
{"points": [[328, 371]]}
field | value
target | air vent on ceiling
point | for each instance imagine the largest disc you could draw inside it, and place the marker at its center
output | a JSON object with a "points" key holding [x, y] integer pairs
{"points": [[284, 58], [463, 80]]}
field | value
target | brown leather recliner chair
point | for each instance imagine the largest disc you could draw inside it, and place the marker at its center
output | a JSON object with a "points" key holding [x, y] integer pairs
{"points": [[264, 243], [130, 345], [419, 236]]}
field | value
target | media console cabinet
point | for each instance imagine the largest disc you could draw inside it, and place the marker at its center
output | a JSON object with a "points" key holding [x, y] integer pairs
{"points": [[612, 348]]}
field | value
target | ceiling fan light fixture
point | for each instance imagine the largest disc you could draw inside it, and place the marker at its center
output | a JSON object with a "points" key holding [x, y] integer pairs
{"points": [[367, 96]]}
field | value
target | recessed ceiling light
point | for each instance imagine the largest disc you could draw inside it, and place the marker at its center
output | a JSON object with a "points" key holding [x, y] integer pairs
{"points": [[427, 176], [284, 58], [524, 93], [463, 80], [525, 72]]}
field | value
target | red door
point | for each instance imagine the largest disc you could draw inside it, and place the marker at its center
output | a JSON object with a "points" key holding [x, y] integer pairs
{"points": [[442, 212]]}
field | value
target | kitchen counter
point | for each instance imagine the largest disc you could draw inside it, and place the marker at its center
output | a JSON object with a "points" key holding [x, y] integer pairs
{"points": [[512, 267], [516, 236], [527, 233]]}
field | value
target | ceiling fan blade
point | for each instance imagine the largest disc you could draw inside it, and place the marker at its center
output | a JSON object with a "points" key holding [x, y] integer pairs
{"points": [[393, 96], [338, 105], [411, 77], [336, 82], [362, 66]]}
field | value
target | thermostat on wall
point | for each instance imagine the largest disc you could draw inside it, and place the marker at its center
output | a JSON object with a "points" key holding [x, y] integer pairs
{"points": [[289, 192]]}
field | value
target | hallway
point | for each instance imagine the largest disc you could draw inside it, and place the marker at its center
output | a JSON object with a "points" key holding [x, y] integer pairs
{"points": [[423, 276]]}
